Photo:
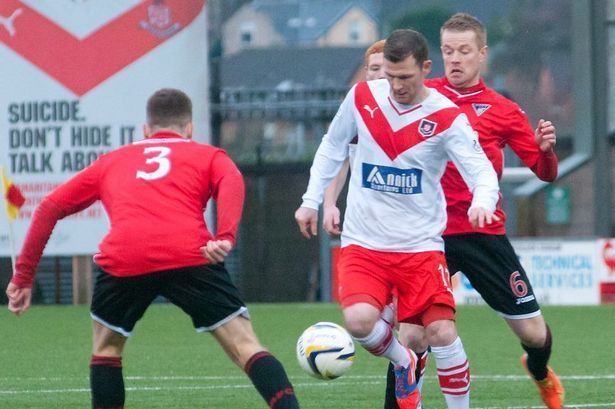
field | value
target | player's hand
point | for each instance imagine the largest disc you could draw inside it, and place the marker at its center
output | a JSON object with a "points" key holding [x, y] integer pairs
{"points": [[216, 250], [19, 298], [479, 216], [545, 136], [331, 220], [307, 219]]}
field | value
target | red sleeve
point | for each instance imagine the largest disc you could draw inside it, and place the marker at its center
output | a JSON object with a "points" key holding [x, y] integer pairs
{"points": [[520, 138], [44, 220], [71, 197], [546, 166], [228, 191]]}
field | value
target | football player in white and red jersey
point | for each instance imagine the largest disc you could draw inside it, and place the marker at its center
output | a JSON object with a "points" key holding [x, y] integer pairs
{"points": [[485, 255], [396, 210], [155, 192]]}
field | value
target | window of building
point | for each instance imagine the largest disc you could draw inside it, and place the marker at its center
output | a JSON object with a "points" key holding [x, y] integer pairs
{"points": [[354, 31], [246, 31]]}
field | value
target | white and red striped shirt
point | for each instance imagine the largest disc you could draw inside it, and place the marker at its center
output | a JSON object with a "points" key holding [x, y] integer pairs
{"points": [[395, 201]]}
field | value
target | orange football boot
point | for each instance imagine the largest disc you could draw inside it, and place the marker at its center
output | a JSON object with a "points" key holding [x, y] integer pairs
{"points": [[551, 389]]}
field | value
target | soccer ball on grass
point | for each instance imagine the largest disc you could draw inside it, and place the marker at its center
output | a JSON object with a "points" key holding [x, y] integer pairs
{"points": [[325, 350]]}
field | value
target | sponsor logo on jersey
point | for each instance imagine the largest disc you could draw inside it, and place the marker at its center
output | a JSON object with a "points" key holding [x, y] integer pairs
{"points": [[370, 110], [392, 180], [480, 108], [427, 128]]}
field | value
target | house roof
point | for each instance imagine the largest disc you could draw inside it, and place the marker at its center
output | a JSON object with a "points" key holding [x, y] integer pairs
{"points": [[304, 21], [303, 67]]}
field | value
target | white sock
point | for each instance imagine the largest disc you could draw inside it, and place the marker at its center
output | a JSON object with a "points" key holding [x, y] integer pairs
{"points": [[453, 374], [382, 342]]}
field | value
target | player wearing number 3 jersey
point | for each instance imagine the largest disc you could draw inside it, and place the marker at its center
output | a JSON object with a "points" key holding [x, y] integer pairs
{"points": [[155, 192]]}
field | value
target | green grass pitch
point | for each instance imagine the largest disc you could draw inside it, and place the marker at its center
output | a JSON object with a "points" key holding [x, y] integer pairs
{"points": [[45, 355]]}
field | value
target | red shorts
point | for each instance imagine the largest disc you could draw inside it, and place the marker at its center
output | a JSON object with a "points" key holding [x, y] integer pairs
{"points": [[421, 280]]}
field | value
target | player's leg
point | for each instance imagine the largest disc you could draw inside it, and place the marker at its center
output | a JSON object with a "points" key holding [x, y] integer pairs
{"points": [[414, 337], [239, 341], [365, 285], [451, 362], [117, 304], [535, 337], [494, 270], [106, 380], [207, 294], [426, 298]]}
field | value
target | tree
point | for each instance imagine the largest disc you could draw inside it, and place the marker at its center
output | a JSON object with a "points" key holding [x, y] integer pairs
{"points": [[426, 21]]}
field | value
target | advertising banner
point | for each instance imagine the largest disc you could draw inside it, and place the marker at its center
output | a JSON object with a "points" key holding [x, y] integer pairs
{"points": [[561, 272], [75, 77]]}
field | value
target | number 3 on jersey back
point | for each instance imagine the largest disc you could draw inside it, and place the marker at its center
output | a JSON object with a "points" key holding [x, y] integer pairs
{"points": [[164, 165]]}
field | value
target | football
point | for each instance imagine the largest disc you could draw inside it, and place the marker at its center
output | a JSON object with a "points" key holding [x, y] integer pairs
{"points": [[325, 350]]}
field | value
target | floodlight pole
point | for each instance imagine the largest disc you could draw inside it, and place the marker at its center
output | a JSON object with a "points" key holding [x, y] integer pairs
{"points": [[600, 84]]}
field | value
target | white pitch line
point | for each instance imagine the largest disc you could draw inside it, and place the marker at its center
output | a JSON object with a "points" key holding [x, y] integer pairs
{"points": [[175, 388], [486, 378], [568, 406], [248, 386]]}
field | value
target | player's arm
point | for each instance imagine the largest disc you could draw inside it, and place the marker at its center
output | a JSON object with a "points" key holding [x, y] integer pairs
{"points": [[331, 213], [76, 194], [463, 148], [228, 190], [331, 153], [535, 147]]}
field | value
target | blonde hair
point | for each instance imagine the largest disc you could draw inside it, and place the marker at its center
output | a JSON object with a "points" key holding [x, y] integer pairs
{"points": [[466, 22]]}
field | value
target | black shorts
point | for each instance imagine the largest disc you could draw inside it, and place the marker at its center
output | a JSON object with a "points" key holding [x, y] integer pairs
{"points": [[206, 293], [490, 263]]}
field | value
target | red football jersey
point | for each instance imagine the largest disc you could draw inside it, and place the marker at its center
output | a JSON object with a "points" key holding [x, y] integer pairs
{"points": [[154, 192], [498, 122]]}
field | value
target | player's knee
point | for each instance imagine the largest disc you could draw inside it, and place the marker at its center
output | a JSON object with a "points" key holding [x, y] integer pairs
{"points": [[359, 319], [414, 337], [533, 337], [441, 333], [532, 332]]}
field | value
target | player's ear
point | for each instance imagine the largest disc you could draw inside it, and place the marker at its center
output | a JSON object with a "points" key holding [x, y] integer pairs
{"points": [[188, 130], [147, 131], [483, 54], [427, 67]]}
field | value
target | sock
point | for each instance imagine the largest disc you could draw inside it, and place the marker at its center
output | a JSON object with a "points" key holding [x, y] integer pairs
{"points": [[388, 314], [390, 402], [268, 376], [107, 382], [453, 374], [389, 398], [537, 358], [382, 342]]}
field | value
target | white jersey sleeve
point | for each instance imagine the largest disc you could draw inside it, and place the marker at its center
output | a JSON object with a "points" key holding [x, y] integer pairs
{"points": [[464, 150], [332, 152]]}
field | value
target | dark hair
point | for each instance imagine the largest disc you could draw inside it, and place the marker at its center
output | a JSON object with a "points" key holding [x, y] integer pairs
{"points": [[404, 43], [465, 22], [169, 107]]}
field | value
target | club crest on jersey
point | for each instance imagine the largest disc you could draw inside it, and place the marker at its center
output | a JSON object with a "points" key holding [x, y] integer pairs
{"points": [[392, 180], [480, 108], [427, 128]]}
